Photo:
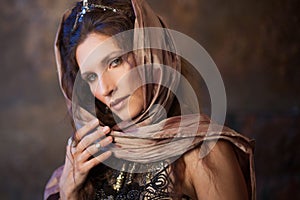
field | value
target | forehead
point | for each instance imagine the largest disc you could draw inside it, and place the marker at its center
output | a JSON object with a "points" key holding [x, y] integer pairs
{"points": [[95, 44]]}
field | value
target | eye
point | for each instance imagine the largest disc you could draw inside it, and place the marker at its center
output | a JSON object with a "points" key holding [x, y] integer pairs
{"points": [[116, 62], [91, 77]]}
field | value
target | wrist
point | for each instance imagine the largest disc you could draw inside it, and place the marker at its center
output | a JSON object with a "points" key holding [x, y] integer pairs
{"points": [[64, 196], [67, 194]]}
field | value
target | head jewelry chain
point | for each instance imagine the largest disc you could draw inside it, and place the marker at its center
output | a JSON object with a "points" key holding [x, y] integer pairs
{"points": [[87, 7]]}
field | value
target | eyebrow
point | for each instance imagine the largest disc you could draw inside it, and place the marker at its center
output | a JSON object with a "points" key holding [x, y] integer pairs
{"points": [[106, 59]]}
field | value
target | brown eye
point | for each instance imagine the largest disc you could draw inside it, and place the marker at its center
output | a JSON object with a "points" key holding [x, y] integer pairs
{"points": [[116, 62]]}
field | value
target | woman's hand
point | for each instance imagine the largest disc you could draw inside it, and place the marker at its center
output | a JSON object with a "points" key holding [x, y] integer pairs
{"points": [[78, 160]]}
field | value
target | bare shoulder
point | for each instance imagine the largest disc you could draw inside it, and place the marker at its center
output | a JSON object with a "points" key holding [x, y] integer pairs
{"points": [[220, 149], [217, 175]]}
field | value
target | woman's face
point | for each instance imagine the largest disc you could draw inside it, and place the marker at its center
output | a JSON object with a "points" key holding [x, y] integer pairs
{"points": [[109, 75]]}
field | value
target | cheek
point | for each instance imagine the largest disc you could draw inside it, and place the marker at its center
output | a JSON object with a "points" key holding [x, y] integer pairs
{"points": [[137, 100], [93, 89], [99, 97], [96, 93]]}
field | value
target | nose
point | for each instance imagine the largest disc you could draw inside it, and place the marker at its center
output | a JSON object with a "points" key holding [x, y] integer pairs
{"points": [[105, 86]]}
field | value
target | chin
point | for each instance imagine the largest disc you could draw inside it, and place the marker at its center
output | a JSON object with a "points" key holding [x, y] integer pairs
{"points": [[129, 115]]}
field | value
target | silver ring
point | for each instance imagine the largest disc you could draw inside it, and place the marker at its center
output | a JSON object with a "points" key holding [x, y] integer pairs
{"points": [[71, 142], [98, 146]]}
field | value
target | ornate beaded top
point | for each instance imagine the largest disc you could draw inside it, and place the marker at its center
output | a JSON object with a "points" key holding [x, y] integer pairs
{"points": [[152, 185]]}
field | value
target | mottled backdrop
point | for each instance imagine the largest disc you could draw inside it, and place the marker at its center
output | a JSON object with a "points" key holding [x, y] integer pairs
{"points": [[255, 44]]}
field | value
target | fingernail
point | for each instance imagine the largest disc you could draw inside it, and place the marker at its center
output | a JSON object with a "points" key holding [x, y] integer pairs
{"points": [[109, 139], [94, 122], [106, 128]]}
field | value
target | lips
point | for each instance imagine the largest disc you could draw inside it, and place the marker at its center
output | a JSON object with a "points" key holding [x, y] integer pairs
{"points": [[118, 103]]}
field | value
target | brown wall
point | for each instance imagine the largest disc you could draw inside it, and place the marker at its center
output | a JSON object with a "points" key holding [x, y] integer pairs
{"points": [[255, 44]]}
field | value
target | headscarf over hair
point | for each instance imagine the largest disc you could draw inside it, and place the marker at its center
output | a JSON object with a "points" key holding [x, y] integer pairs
{"points": [[154, 138]]}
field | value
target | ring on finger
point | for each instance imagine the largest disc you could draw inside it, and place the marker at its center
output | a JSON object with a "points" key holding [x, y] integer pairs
{"points": [[71, 142], [98, 146]]}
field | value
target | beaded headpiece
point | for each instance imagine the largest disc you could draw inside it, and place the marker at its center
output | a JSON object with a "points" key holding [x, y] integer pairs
{"points": [[87, 7]]}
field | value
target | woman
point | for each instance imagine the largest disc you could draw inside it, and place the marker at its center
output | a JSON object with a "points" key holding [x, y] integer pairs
{"points": [[145, 141]]}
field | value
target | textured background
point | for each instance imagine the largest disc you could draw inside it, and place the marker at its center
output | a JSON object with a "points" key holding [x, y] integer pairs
{"points": [[255, 44]]}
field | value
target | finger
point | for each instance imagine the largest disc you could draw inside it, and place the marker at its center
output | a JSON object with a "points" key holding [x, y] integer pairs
{"points": [[98, 159], [91, 138], [93, 149], [85, 129], [69, 160]]}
